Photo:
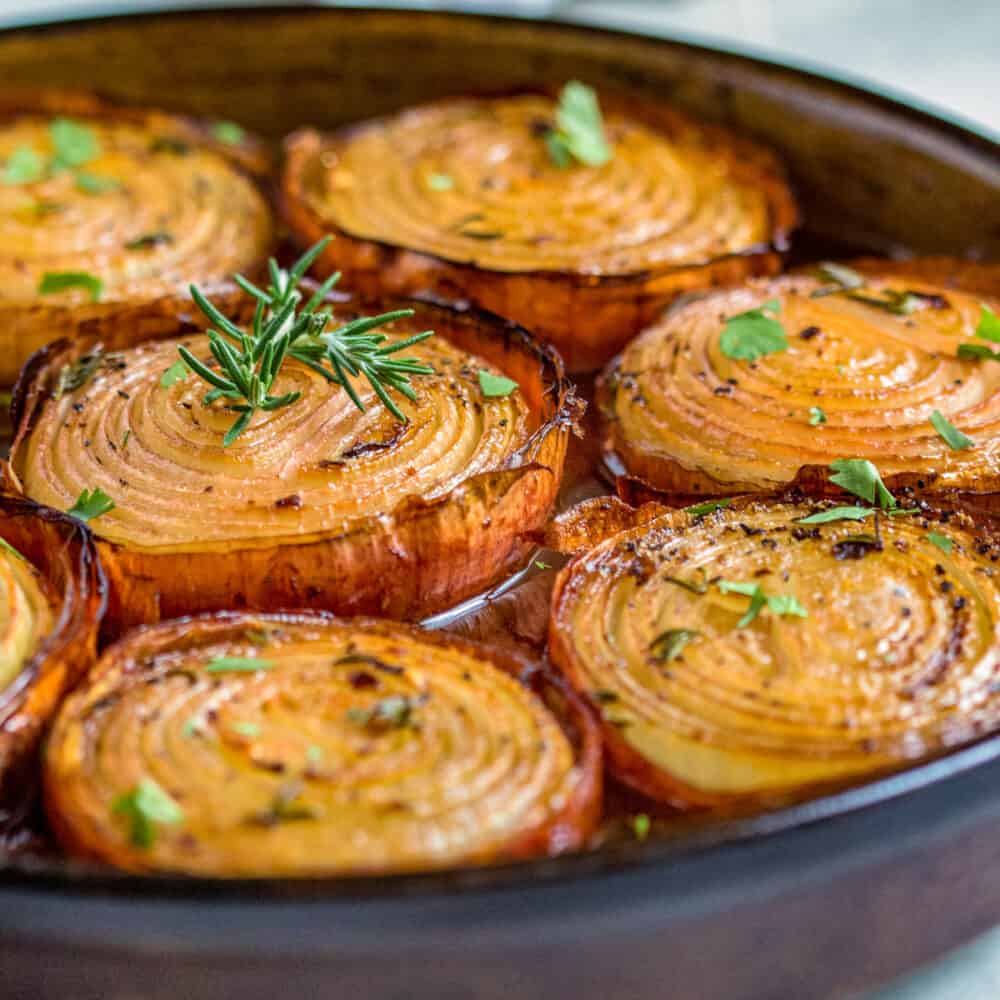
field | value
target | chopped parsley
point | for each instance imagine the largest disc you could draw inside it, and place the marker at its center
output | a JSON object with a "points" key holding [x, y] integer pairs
{"points": [[750, 335], [236, 664], [579, 132], [495, 386], [951, 435], [145, 806], [670, 645], [60, 281], [90, 504]]}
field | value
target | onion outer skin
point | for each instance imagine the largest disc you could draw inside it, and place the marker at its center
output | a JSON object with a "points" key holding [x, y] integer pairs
{"points": [[63, 552], [28, 326], [567, 829], [588, 317], [408, 563], [652, 466], [612, 530]]}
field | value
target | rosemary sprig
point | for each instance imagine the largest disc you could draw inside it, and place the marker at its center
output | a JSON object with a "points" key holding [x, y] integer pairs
{"points": [[283, 327]]}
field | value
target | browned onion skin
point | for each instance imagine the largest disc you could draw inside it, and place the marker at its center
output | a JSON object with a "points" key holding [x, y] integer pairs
{"points": [[130, 693], [419, 558], [588, 311], [684, 419], [892, 665], [28, 319], [63, 553]]}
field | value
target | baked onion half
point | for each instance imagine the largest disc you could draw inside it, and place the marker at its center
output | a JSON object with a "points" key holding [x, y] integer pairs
{"points": [[52, 594], [745, 389], [317, 504], [104, 206], [765, 651], [463, 196], [300, 745]]}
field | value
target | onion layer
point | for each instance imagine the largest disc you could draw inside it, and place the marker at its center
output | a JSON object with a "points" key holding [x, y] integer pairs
{"points": [[357, 747], [856, 381], [316, 504], [462, 194], [171, 205], [52, 595], [894, 663]]}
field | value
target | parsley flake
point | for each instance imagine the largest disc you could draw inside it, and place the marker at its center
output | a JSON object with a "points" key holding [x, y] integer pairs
{"points": [[146, 805], [816, 416], [779, 604], [951, 435], [74, 144], [708, 507], [988, 327], [96, 183], [579, 132], [670, 645], [440, 182], [841, 277], [640, 826], [90, 504], [236, 664], [23, 166], [175, 373], [750, 335], [495, 386], [60, 281], [838, 514], [860, 477], [943, 542], [228, 132]]}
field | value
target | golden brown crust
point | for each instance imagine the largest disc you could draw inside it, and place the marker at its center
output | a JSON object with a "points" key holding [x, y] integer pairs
{"points": [[890, 664], [62, 552], [194, 210], [856, 381], [284, 771], [590, 308], [419, 557]]}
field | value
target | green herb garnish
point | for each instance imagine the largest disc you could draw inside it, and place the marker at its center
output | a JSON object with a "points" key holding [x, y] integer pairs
{"points": [[281, 328], [752, 334], [669, 645], [23, 166], [440, 182], [59, 281], [74, 144], [708, 507], [816, 416], [146, 805], [228, 132], [177, 371], [77, 374], [838, 514], [90, 504], [952, 436], [860, 477], [495, 386], [943, 542], [988, 327], [579, 132], [248, 729], [236, 664], [96, 183], [779, 604], [640, 826], [843, 279], [542, 565]]}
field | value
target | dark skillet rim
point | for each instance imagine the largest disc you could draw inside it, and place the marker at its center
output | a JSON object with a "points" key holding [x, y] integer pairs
{"points": [[658, 858]]}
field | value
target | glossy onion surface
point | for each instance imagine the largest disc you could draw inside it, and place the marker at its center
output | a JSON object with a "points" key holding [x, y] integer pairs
{"points": [[895, 660], [855, 381], [356, 747]]}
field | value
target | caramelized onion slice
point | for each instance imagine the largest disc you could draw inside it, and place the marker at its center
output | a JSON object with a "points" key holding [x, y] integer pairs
{"points": [[464, 194], [856, 381], [166, 204], [52, 594], [356, 747], [894, 662], [316, 504]]}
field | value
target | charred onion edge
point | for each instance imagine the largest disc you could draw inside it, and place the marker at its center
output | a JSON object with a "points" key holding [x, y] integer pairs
{"points": [[568, 830], [692, 485], [249, 156], [62, 550], [384, 579], [606, 517], [612, 308]]}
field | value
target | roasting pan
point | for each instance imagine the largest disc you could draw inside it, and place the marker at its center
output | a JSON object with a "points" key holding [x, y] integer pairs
{"points": [[820, 900]]}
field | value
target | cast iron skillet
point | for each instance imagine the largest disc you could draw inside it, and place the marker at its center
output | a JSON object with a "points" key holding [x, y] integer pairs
{"points": [[821, 899]]}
